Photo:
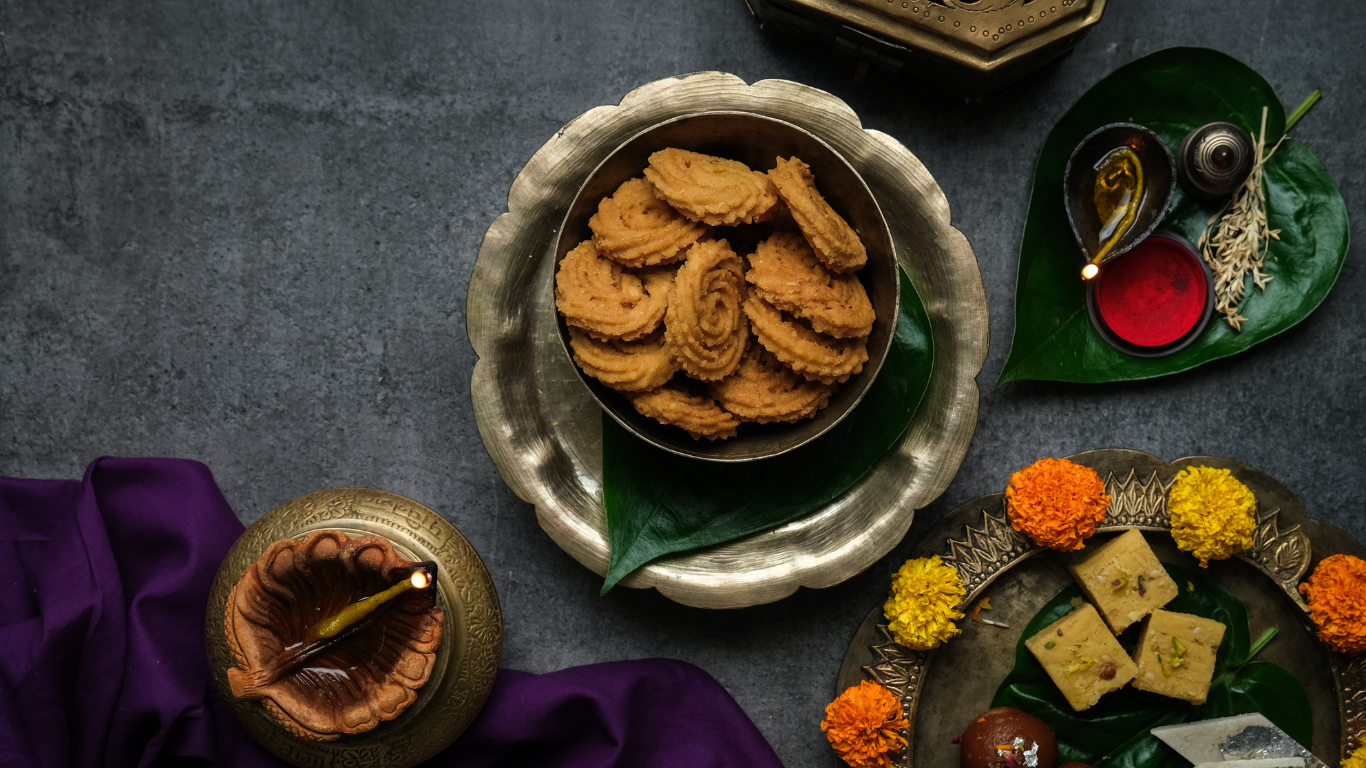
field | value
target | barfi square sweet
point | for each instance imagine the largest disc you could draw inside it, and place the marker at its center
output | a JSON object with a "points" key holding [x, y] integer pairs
{"points": [[1082, 656], [1124, 580], [1175, 656]]}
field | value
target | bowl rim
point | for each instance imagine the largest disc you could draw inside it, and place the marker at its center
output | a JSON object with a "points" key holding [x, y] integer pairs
{"points": [[866, 376]]}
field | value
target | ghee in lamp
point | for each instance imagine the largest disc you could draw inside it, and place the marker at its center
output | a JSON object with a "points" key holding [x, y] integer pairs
{"points": [[1153, 300], [358, 610], [1118, 194]]}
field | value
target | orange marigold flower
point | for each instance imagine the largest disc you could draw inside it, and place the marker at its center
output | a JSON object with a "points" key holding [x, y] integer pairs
{"points": [[862, 725], [1337, 601], [1056, 503]]}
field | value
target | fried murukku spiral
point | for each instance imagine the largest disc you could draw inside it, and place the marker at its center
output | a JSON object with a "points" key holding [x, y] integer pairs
{"points": [[674, 404], [762, 389], [712, 190], [630, 366], [597, 295], [834, 241], [705, 325], [635, 228], [813, 355], [786, 273]]}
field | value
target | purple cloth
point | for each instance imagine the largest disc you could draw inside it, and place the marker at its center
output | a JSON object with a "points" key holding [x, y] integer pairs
{"points": [[103, 585]]}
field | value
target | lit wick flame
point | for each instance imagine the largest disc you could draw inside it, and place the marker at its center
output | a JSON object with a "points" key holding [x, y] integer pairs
{"points": [[420, 580], [1089, 271]]}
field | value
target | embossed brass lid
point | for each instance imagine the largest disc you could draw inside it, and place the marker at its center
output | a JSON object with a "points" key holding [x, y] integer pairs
{"points": [[467, 659], [972, 48]]}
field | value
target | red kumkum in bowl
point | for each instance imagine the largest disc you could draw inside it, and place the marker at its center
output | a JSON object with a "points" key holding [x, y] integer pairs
{"points": [[1154, 300]]}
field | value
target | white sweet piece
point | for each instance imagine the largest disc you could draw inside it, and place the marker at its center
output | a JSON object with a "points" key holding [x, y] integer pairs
{"points": [[1266, 763], [1199, 742]]}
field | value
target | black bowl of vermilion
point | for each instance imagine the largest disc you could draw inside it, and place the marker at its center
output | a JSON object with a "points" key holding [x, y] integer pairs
{"points": [[1154, 300]]}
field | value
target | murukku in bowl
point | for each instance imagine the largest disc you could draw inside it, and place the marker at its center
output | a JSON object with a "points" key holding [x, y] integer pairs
{"points": [[726, 286]]}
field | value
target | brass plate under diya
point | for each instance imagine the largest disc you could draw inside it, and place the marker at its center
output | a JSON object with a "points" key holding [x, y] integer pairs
{"points": [[956, 682], [543, 429], [466, 661]]}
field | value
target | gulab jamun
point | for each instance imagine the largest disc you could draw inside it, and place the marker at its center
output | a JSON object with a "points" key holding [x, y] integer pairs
{"points": [[1005, 737]]}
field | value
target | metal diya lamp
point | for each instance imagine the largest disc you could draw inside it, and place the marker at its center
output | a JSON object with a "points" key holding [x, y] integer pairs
{"points": [[1148, 294], [1117, 187]]}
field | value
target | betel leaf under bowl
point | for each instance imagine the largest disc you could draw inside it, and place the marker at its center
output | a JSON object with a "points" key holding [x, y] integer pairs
{"points": [[325, 688], [757, 141], [1079, 180]]}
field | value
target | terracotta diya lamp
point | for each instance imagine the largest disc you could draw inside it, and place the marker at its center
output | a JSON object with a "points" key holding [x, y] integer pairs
{"points": [[1155, 300], [333, 634]]}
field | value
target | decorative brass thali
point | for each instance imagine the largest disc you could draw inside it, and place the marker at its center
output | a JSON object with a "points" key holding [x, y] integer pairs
{"points": [[543, 429], [954, 683], [467, 659]]}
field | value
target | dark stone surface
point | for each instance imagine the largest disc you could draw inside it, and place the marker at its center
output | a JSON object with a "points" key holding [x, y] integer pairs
{"points": [[241, 232]]}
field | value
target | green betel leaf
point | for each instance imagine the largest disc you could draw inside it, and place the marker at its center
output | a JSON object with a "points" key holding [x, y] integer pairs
{"points": [[1172, 92], [1115, 732], [659, 503]]}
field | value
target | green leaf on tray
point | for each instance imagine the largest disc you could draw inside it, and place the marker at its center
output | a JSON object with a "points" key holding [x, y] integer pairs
{"points": [[1172, 92], [1114, 733], [659, 503]]}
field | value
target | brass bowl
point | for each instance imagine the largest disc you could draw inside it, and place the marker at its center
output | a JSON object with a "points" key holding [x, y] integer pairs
{"points": [[757, 141], [1159, 179]]}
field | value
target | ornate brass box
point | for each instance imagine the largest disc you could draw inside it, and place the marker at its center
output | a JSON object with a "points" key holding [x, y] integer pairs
{"points": [[970, 48]]}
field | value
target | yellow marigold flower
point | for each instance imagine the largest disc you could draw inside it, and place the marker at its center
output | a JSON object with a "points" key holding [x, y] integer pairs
{"points": [[924, 604], [1337, 601], [1213, 515], [1358, 758], [1056, 503], [862, 725]]}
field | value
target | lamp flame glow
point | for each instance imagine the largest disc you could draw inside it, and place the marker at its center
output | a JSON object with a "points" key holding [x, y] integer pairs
{"points": [[420, 580], [1089, 271]]}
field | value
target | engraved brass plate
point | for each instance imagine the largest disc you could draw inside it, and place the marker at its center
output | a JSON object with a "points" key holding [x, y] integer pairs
{"points": [[472, 639], [543, 429], [954, 683]]}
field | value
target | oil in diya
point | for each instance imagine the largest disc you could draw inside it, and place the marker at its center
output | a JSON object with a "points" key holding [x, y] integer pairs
{"points": [[1118, 194], [1155, 299], [329, 631]]}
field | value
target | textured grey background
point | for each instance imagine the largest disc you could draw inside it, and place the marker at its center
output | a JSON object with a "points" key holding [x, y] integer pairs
{"points": [[241, 232]]}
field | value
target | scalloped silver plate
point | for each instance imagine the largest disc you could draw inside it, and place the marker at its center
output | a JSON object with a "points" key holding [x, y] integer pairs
{"points": [[956, 682], [543, 429]]}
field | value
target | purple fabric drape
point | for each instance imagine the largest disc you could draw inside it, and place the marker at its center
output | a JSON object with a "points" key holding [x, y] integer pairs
{"points": [[103, 584]]}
